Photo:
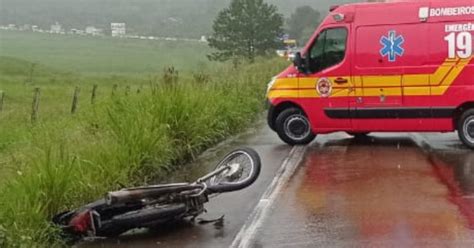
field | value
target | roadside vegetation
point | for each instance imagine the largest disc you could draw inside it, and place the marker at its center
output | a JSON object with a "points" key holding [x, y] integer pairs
{"points": [[165, 118]]}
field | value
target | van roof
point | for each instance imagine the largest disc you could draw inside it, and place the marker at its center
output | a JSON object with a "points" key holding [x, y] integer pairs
{"points": [[389, 11], [381, 2], [369, 2]]}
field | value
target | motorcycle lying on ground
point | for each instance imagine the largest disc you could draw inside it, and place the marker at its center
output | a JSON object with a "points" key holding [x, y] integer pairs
{"points": [[155, 205]]}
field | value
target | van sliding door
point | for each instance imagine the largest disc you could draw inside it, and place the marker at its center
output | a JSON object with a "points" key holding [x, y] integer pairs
{"points": [[389, 70]]}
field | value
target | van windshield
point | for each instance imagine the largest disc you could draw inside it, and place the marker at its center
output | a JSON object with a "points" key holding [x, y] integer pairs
{"points": [[328, 50]]}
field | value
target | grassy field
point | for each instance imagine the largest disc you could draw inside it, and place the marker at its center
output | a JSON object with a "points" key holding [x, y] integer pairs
{"points": [[59, 63], [85, 55], [63, 160]]}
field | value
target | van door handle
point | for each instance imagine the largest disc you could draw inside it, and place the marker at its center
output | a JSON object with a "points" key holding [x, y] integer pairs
{"points": [[341, 81]]}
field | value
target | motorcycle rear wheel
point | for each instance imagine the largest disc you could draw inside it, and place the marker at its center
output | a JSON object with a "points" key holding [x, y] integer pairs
{"points": [[140, 218]]}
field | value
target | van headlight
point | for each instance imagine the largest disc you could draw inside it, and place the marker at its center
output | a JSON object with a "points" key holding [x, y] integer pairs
{"points": [[270, 85]]}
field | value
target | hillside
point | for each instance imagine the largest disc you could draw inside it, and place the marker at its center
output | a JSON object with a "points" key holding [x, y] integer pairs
{"points": [[178, 18]]}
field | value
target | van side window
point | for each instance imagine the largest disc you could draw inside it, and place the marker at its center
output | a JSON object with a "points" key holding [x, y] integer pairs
{"points": [[328, 50]]}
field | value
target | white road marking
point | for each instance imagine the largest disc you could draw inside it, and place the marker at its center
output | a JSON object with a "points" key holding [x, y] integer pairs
{"points": [[247, 233]]}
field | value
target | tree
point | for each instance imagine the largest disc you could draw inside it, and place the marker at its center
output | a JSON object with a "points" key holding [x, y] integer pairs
{"points": [[246, 29], [303, 22]]}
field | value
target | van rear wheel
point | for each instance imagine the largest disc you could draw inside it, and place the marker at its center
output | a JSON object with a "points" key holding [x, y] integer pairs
{"points": [[294, 128], [466, 128]]}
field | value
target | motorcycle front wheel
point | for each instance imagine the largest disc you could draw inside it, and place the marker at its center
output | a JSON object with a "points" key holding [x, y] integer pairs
{"points": [[242, 169]]}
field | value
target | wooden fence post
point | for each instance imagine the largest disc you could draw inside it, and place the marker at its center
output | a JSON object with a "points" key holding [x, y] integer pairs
{"points": [[2, 96], [114, 89], [127, 90], [94, 93], [75, 100], [36, 100]]}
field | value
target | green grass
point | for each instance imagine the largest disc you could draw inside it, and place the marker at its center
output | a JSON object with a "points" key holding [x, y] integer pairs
{"points": [[79, 54], [63, 161]]}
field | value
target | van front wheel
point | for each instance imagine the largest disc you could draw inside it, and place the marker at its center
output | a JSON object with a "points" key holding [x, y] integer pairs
{"points": [[293, 127], [466, 128]]}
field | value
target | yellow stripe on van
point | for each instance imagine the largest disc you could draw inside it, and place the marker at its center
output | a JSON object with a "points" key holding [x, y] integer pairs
{"points": [[382, 81], [415, 80], [287, 83], [284, 94], [393, 85], [450, 78]]}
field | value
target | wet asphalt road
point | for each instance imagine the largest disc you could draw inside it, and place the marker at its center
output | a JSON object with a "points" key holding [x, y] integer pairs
{"points": [[383, 191], [387, 190]]}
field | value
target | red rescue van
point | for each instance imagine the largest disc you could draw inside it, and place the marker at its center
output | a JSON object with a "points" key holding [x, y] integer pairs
{"points": [[393, 66]]}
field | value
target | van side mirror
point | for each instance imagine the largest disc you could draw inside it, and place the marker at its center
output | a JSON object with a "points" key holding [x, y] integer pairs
{"points": [[300, 63]]}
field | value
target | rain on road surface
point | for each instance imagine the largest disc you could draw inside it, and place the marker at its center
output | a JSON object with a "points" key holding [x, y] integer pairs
{"points": [[383, 191], [388, 190]]}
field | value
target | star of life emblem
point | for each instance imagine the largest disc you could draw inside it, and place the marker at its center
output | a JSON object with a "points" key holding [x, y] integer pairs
{"points": [[392, 46]]}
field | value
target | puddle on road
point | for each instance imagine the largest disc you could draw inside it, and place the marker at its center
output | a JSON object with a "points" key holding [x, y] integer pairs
{"points": [[375, 192], [455, 169], [460, 167]]}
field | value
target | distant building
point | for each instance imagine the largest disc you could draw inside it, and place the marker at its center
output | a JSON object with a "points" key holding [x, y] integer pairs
{"points": [[91, 30], [118, 29], [203, 39], [76, 31], [34, 28], [25, 27], [174, 20], [56, 28]]}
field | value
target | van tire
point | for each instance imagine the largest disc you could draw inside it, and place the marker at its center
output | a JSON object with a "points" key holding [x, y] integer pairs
{"points": [[293, 127], [465, 128]]}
